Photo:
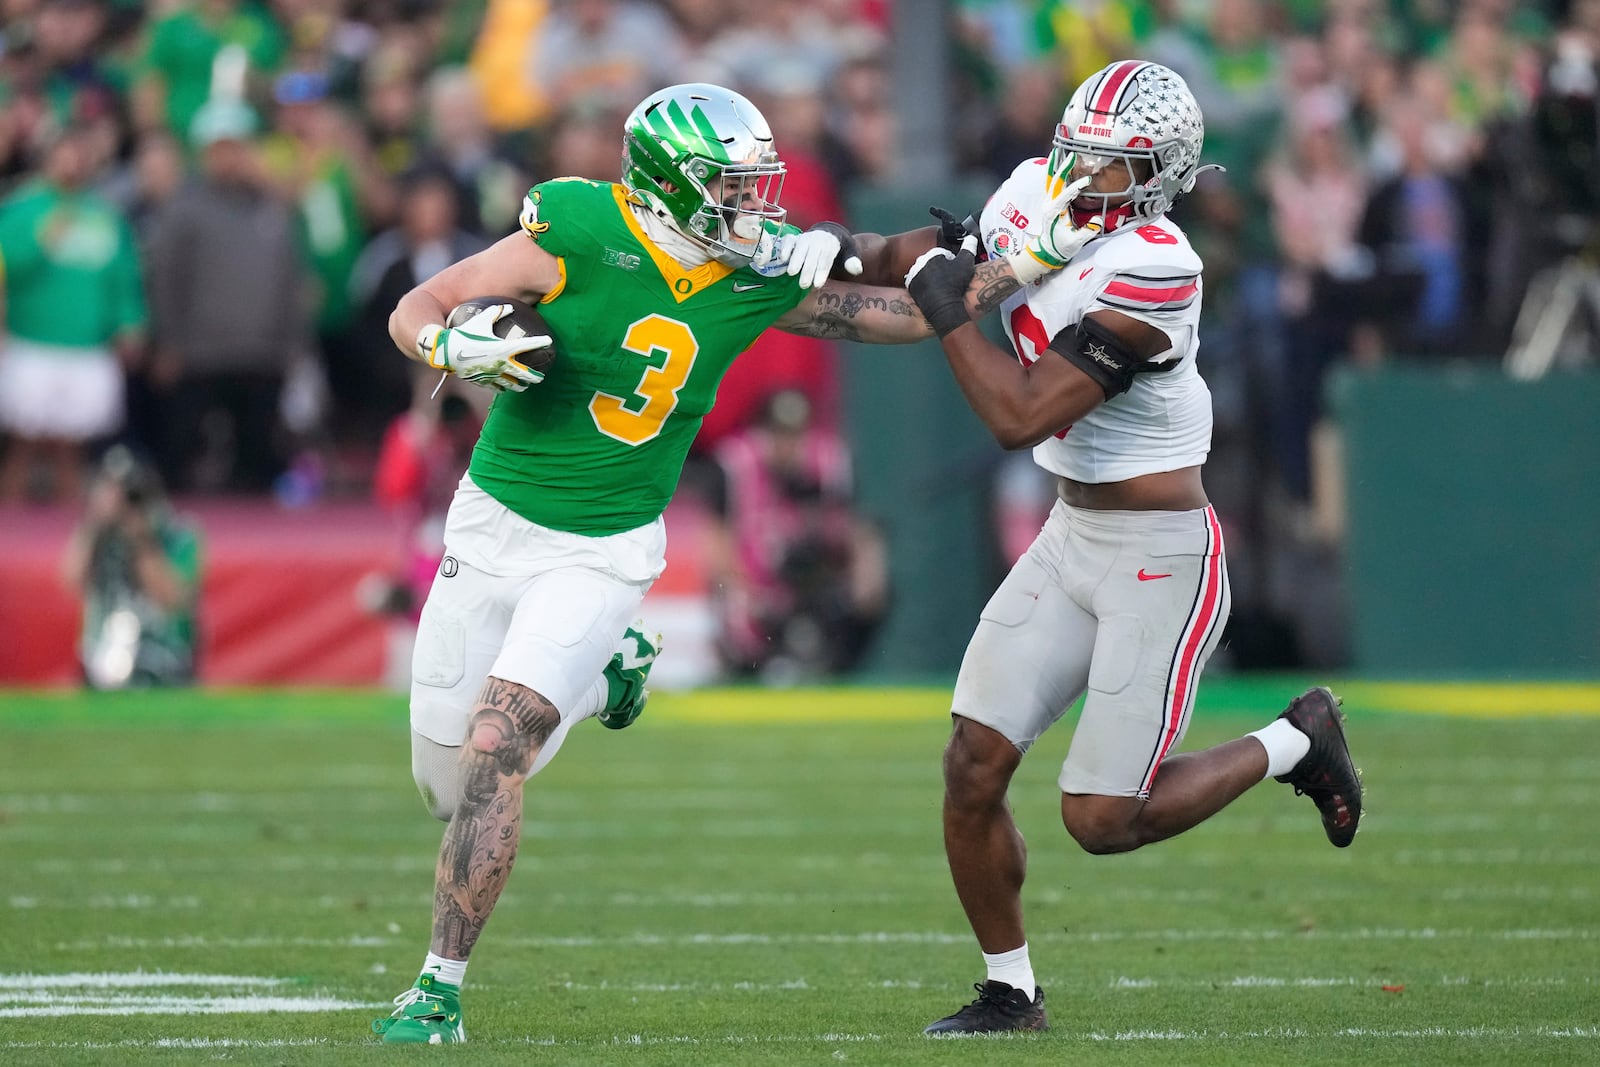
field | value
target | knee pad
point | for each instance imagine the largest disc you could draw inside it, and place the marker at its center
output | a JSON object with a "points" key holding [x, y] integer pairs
{"points": [[436, 769]]}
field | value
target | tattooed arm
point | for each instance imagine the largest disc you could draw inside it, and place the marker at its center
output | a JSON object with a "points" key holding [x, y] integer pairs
{"points": [[872, 314], [847, 311], [991, 283]]}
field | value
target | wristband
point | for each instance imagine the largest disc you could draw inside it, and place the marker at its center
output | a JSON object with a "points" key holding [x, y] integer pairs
{"points": [[1028, 267]]}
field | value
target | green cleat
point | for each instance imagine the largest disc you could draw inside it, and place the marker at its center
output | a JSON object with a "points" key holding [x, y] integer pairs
{"points": [[429, 1013], [625, 677]]}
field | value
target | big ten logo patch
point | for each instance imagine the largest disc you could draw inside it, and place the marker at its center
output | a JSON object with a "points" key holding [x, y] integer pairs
{"points": [[624, 260], [1015, 217]]}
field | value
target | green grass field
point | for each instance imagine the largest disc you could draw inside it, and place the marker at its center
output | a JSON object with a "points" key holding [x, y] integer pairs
{"points": [[757, 878]]}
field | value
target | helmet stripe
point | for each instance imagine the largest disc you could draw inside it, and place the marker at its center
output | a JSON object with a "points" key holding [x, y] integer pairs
{"points": [[1105, 101], [693, 131], [708, 135], [661, 121]]}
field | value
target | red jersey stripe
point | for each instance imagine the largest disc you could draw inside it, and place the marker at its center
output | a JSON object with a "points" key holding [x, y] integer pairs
{"points": [[1150, 295]]}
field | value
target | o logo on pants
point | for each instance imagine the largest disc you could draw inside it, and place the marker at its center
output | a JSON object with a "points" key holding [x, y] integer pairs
{"points": [[448, 566]]}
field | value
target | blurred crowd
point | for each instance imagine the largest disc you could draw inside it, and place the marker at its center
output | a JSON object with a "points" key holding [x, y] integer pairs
{"points": [[210, 206]]}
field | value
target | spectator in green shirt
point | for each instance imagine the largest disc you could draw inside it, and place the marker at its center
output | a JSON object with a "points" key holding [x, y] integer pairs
{"points": [[73, 314], [178, 71]]}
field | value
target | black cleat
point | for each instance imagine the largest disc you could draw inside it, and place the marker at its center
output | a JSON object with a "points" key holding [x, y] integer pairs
{"points": [[999, 1007], [1326, 774]]}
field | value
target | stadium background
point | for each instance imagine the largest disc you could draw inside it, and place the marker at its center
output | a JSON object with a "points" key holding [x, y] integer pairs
{"points": [[1398, 176], [753, 874]]}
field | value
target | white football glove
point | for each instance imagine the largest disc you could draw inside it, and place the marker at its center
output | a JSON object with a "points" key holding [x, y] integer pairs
{"points": [[474, 354], [808, 256], [1058, 241]]}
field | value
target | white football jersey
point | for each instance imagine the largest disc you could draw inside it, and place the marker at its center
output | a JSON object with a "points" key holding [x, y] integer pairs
{"points": [[1148, 272]]}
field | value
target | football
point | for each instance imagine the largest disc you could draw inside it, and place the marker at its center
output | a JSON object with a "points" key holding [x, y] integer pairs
{"points": [[523, 321]]}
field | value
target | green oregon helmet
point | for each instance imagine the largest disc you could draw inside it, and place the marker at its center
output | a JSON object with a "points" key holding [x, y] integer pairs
{"points": [[702, 156]]}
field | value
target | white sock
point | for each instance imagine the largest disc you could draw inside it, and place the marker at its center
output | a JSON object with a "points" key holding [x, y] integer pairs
{"points": [[1285, 746], [1012, 968], [593, 701], [449, 972]]}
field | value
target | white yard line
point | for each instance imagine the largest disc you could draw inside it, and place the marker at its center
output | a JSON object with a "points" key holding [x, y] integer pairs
{"points": [[125, 979], [186, 1006], [33, 996], [1256, 981], [882, 937], [104, 902], [173, 1042], [1276, 1034]]}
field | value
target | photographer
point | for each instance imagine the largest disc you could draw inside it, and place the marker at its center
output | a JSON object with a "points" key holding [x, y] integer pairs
{"points": [[138, 568], [803, 577]]}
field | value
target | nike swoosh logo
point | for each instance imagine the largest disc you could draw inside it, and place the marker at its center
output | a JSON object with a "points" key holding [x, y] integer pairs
{"points": [[1143, 577], [747, 287], [1085, 273]]}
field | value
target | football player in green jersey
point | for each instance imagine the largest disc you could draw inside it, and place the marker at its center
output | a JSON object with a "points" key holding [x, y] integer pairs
{"points": [[650, 288]]}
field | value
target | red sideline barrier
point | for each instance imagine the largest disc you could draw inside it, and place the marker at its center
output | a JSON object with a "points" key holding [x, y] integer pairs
{"points": [[279, 598], [279, 601]]}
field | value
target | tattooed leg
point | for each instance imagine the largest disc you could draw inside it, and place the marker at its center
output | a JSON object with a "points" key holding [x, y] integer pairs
{"points": [[508, 727]]}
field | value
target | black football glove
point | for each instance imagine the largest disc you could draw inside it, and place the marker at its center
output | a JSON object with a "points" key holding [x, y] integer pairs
{"points": [[952, 231], [938, 283]]}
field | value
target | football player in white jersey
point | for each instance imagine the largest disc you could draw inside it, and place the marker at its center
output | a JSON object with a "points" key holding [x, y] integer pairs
{"points": [[1124, 593]]}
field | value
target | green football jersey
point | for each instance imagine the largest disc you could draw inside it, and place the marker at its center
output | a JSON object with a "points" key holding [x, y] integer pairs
{"points": [[69, 267], [641, 345]]}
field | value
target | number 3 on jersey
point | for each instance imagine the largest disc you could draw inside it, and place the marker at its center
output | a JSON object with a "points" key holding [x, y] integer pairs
{"points": [[657, 389]]}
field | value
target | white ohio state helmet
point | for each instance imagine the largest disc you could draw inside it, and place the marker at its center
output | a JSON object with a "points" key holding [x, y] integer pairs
{"points": [[1131, 110]]}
